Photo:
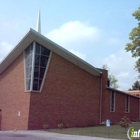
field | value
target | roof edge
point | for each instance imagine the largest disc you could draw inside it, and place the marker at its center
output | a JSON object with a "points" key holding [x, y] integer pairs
{"points": [[122, 92], [65, 50], [2, 61]]}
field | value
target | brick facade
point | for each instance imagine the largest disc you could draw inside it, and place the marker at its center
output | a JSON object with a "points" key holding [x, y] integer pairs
{"points": [[120, 100], [69, 95], [13, 97]]}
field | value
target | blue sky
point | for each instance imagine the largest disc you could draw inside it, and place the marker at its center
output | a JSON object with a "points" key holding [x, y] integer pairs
{"points": [[95, 30]]}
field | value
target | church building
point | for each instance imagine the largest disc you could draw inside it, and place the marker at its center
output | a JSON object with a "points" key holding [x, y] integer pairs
{"points": [[43, 83]]}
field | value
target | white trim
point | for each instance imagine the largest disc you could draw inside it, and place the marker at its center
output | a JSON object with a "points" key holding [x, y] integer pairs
{"points": [[33, 61], [111, 101], [47, 67], [31, 36], [126, 104], [24, 70]]}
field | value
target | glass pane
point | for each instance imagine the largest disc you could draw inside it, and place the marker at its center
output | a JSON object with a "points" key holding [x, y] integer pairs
{"points": [[42, 71], [40, 82], [31, 48], [43, 61], [36, 72], [28, 60], [37, 60], [28, 72], [28, 82], [44, 51], [35, 84], [37, 48], [27, 51]]}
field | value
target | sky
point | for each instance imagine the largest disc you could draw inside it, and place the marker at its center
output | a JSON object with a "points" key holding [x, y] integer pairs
{"points": [[95, 30]]}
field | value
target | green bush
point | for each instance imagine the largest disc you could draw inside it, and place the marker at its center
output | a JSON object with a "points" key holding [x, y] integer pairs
{"points": [[62, 125], [45, 126], [125, 122]]}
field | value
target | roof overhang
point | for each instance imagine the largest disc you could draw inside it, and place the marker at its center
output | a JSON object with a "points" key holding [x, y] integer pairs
{"points": [[31, 36], [122, 92]]}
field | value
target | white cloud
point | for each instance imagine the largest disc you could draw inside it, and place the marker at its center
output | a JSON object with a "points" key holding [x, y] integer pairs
{"points": [[74, 32], [123, 74], [121, 65], [5, 48], [77, 36], [115, 41]]}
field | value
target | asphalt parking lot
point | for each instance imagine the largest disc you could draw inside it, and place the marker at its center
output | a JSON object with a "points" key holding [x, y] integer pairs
{"points": [[42, 135]]}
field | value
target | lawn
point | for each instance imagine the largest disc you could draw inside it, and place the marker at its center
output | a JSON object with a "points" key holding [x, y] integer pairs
{"points": [[115, 131]]}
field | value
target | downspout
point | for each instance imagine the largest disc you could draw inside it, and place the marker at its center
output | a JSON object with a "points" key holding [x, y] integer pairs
{"points": [[101, 85]]}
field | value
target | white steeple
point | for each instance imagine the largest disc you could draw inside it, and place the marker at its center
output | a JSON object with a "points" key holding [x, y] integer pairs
{"points": [[38, 26]]}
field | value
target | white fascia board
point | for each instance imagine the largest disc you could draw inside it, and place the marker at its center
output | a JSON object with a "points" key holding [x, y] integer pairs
{"points": [[31, 36], [66, 54], [16, 51]]}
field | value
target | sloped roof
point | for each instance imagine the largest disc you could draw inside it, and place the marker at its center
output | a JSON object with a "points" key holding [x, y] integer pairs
{"points": [[31, 36], [122, 92]]}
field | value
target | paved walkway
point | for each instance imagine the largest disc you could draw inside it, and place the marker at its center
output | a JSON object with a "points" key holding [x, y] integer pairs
{"points": [[43, 135]]}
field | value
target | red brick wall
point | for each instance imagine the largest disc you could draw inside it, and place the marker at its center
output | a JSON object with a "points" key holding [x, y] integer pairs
{"points": [[13, 97], [70, 94], [119, 107], [120, 103]]}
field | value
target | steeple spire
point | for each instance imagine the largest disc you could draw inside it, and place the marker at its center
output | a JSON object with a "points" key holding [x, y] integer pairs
{"points": [[38, 26]]}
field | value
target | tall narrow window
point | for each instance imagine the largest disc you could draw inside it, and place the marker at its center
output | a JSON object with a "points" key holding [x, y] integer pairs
{"points": [[36, 60], [112, 101], [28, 63], [127, 104]]}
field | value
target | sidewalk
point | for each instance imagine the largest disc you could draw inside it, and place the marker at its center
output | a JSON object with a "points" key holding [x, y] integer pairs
{"points": [[43, 135]]}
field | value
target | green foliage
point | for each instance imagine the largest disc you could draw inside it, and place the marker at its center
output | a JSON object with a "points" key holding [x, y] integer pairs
{"points": [[136, 85], [134, 36], [62, 125], [125, 122], [45, 126], [112, 78], [113, 81]]}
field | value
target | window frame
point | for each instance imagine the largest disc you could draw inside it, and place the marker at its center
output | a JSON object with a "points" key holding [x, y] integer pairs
{"points": [[127, 104], [32, 72], [114, 106]]}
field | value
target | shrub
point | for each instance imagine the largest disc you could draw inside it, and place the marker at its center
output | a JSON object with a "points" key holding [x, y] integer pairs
{"points": [[103, 123], [125, 122], [62, 125], [45, 126]]}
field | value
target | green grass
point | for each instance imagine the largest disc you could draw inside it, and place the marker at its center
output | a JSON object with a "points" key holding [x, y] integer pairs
{"points": [[115, 131]]}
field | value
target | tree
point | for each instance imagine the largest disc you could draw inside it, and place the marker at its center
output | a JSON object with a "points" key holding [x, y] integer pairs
{"points": [[136, 85], [112, 78], [134, 36]]}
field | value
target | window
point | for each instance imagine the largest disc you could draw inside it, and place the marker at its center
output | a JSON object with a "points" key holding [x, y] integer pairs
{"points": [[127, 104], [36, 60], [112, 101]]}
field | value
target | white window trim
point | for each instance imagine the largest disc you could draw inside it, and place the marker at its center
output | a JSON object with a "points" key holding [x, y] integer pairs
{"points": [[111, 101], [46, 70], [126, 104], [33, 61], [45, 74], [24, 71]]}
